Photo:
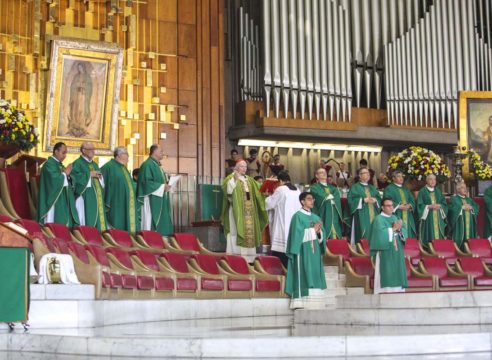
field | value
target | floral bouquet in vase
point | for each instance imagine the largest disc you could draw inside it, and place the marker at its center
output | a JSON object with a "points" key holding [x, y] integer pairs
{"points": [[15, 129]]}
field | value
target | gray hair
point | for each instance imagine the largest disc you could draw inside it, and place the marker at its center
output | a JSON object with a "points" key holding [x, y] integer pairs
{"points": [[431, 174], [119, 150], [396, 172]]}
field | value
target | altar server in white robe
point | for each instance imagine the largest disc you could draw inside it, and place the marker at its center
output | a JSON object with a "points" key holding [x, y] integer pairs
{"points": [[282, 204]]}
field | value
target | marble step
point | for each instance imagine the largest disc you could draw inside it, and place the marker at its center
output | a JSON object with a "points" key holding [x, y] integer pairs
{"points": [[333, 276], [335, 284], [331, 269], [337, 292]]}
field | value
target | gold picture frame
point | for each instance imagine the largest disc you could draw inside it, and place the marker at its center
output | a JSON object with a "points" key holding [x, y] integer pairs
{"points": [[83, 94], [475, 109]]}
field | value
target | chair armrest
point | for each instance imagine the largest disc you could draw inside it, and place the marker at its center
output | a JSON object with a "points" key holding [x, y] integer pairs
{"points": [[459, 252], [360, 250], [354, 253], [423, 252], [204, 250], [119, 266], [78, 237], [108, 241]]}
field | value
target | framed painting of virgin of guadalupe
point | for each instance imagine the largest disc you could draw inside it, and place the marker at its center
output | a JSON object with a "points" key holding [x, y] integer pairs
{"points": [[83, 94]]}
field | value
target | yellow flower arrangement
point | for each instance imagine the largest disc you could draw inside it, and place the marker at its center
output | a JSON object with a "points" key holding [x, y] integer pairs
{"points": [[479, 168], [15, 128], [417, 162]]}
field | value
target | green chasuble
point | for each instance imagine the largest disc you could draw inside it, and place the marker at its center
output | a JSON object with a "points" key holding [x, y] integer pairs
{"points": [[150, 178], [328, 207], [52, 192], [462, 223], [305, 251], [400, 196], [361, 218], [432, 222], [248, 209], [487, 199], [93, 196], [120, 197], [392, 268]]}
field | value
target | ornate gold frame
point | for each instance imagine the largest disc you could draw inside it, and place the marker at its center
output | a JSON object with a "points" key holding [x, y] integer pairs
{"points": [[463, 133], [111, 56]]}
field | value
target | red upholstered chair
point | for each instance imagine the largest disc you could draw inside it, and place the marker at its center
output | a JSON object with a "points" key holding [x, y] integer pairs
{"points": [[338, 251], [480, 275], [269, 265], [14, 193], [118, 238], [61, 246], [5, 218], [120, 259], [209, 285], [90, 271], [447, 278], [60, 231], [42, 244], [359, 272], [418, 281], [264, 285], [154, 241], [146, 262], [479, 248], [189, 242], [88, 235], [414, 251], [363, 247], [446, 249]]}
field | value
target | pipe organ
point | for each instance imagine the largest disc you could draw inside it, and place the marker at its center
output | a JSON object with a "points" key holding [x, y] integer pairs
{"points": [[315, 59]]}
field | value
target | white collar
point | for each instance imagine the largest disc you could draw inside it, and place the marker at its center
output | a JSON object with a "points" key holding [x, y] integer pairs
{"points": [[364, 184], [305, 212], [430, 188], [56, 159], [83, 157], [385, 215], [399, 185], [461, 196], [323, 183]]}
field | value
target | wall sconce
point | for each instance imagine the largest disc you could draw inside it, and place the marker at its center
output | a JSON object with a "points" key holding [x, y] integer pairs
{"points": [[163, 136], [182, 117], [136, 136]]}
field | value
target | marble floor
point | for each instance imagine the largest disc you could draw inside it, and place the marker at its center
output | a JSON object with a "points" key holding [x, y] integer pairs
{"points": [[259, 328]]}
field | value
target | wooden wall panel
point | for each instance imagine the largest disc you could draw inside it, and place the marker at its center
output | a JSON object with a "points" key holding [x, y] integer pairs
{"points": [[187, 40], [187, 12], [187, 71]]}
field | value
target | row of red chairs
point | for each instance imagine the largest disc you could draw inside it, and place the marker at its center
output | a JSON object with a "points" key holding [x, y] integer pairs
{"points": [[122, 267]]}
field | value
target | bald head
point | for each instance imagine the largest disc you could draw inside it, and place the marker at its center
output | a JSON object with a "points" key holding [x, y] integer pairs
{"points": [[88, 149], [461, 188], [241, 167]]}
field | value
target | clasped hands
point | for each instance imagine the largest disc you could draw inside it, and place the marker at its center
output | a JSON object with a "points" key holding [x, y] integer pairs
{"points": [[404, 207], [434, 206], [369, 200], [466, 207], [317, 227], [397, 225], [96, 174]]}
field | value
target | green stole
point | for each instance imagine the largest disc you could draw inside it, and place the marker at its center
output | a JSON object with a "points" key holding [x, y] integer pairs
{"points": [[329, 210], [401, 195], [249, 214], [120, 197], [462, 224], [433, 227], [53, 193], [150, 178], [93, 196], [305, 268], [392, 268], [361, 219]]}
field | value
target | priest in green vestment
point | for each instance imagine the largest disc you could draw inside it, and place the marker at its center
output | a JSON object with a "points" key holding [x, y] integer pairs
{"points": [[386, 240], [487, 199], [153, 194], [56, 197], [432, 211], [363, 201], [462, 215], [403, 202], [243, 216], [120, 197], [306, 247], [89, 189], [327, 205]]}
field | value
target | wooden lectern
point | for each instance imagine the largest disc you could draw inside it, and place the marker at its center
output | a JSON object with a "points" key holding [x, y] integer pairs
{"points": [[30, 164]]}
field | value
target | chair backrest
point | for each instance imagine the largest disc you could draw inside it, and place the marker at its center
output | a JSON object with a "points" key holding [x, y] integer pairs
{"points": [[444, 248], [5, 218], [121, 255], [90, 234], [153, 239], [187, 241], [60, 245], [121, 237], [237, 263], [362, 265], [435, 266], [99, 254], [412, 247], [147, 258], [271, 264], [30, 225], [365, 246], [79, 251], [47, 242], [18, 191], [481, 247], [208, 263], [339, 247], [472, 266], [177, 261], [60, 231]]}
